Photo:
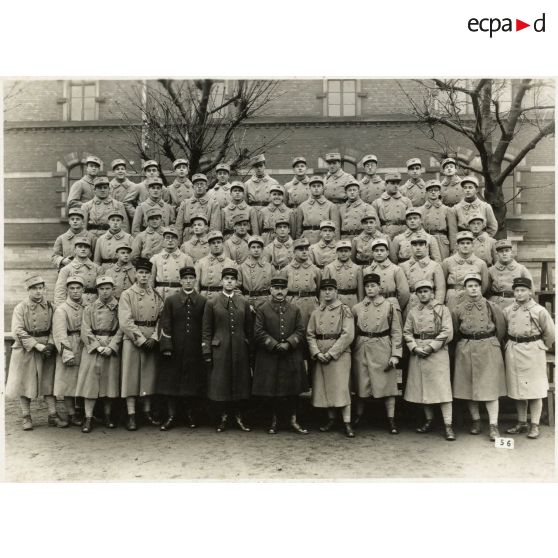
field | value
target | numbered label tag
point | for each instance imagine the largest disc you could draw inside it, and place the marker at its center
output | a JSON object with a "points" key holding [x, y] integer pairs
{"points": [[504, 443]]}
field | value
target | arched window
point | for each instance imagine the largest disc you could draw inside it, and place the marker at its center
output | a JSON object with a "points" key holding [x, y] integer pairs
{"points": [[75, 173]]}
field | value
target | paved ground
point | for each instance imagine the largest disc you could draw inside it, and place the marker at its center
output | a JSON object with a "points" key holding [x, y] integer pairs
{"points": [[50, 454]]}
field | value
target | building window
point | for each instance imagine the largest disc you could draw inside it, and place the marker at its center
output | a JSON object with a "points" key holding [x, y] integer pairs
{"points": [[75, 173], [82, 99], [341, 97]]}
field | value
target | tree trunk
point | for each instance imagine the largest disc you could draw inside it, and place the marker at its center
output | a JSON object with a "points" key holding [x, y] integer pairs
{"points": [[494, 195]]}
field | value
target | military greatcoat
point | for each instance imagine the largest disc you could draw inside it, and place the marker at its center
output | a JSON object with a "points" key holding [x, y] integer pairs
{"points": [[501, 278]]}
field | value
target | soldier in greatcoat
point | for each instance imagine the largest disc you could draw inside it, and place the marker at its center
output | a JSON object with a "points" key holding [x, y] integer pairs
{"points": [[165, 274], [255, 273], [32, 362], [199, 204], [336, 179], [153, 201], [64, 245], [391, 206], [82, 266], [296, 189], [99, 370], [438, 219], [221, 191], [452, 193], [138, 315], [82, 190], [280, 251], [460, 264], [197, 246], [323, 252], [393, 283], [330, 332], [428, 330], [149, 242], [275, 209], [182, 376], [471, 204], [226, 347], [415, 187], [181, 189], [530, 333], [105, 254], [237, 205], [479, 329], [121, 272], [484, 246], [97, 210], [352, 211], [400, 246], [210, 267], [502, 274], [279, 374], [66, 332], [377, 350], [372, 185], [236, 246], [311, 212], [257, 186], [361, 252], [121, 186], [350, 288]]}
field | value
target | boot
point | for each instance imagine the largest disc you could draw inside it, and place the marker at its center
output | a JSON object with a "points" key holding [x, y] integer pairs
{"points": [[391, 426], [273, 426], [75, 420], [108, 421], [426, 427], [357, 419], [327, 426], [296, 427], [191, 422], [55, 420], [222, 426], [27, 423], [475, 427], [519, 428], [493, 432], [533, 431], [240, 423], [150, 419], [168, 424], [87, 425], [349, 432], [449, 434], [131, 422]]}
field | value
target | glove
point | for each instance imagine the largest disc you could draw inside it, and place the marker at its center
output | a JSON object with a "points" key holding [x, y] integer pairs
{"points": [[40, 347], [282, 347], [50, 350], [167, 354], [150, 345]]}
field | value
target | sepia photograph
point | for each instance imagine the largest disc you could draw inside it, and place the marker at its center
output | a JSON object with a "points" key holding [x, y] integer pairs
{"points": [[256, 279]]}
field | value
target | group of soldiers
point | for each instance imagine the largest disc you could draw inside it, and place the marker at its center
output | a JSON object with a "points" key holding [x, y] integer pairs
{"points": [[257, 289]]}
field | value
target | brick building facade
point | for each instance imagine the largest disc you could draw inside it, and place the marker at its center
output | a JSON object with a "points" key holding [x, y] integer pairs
{"points": [[51, 125]]}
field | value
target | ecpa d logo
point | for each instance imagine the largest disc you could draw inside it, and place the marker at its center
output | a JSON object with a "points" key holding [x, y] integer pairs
{"points": [[493, 25]]}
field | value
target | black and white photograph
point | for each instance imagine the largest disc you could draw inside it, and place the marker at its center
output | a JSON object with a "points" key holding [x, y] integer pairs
{"points": [[291, 279]]}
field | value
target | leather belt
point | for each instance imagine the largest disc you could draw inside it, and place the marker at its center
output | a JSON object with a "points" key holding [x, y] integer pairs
{"points": [[350, 233], [211, 289], [389, 294], [425, 335], [228, 231], [263, 292], [310, 227], [108, 332], [478, 336], [167, 284], [347, 291], [93, 227], [394, 222], [108, 260], [145, 323], [374, 334], [358, 261], [42, 333], [90, 290], [268, 230], [326, 336], [504, 294], [452, 286], [337, 201], [524, 339], [302, 294], [437, 231], [258, 203], [73, 331]]}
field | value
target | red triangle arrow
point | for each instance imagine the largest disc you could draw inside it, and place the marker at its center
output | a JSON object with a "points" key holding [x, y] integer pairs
{"points": [[519, 25]]}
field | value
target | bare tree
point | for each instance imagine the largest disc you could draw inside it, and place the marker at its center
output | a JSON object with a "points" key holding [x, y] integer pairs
{"points": [[502, 131], [170, 119], [11, 91]]}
